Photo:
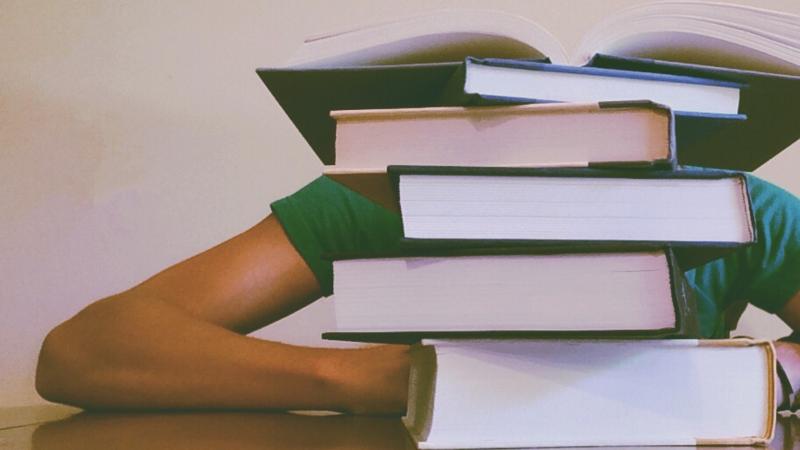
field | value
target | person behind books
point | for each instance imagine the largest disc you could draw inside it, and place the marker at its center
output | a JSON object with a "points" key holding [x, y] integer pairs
{"points": [[178, 340]]}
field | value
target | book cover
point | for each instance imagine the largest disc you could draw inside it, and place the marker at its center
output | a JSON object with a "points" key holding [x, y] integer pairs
{"points": [[771, 102]]}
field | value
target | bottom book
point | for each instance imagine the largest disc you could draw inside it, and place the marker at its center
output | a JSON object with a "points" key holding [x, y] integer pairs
{"points": [[543, 393]]}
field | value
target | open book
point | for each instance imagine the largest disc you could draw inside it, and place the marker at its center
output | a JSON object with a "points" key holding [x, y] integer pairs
{"points": [[407, 63], [707, 33]]}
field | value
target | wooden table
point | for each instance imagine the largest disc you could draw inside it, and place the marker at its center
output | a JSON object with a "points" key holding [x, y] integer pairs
{"points": [[49, 430]]}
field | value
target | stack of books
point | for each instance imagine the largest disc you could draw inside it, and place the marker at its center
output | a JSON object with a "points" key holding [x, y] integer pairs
{"points": [[547, 224]]}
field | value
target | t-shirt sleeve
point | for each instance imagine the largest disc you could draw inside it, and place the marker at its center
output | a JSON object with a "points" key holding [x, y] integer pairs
{"points": [[325, 218], [773, 263]]}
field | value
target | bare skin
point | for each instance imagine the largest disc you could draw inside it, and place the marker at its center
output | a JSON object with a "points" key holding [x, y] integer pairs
{"points": [[788, 354], [177, 341]]}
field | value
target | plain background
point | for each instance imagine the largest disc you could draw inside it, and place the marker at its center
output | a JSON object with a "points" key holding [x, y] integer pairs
{"points": [[135, 134]]}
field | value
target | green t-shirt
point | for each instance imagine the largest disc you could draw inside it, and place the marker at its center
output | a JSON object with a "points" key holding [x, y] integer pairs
{"points": [[326, 218]]}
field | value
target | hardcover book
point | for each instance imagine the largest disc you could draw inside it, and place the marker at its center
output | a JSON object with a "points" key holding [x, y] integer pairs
{"points": [[694, 210], [543, 393], [493, 80], [511, 292]]}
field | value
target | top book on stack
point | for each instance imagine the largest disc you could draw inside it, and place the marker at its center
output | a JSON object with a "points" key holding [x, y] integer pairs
{"points": [[410, 63]]}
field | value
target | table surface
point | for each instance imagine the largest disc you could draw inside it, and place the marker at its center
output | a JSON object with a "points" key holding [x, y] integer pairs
{"points": [[229, 430]]}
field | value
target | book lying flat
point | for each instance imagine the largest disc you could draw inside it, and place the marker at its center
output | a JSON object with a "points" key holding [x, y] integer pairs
{"points": [[505, 292], [684, 207], [479, 80], [555, 134], [542, 393], [407, 64]]}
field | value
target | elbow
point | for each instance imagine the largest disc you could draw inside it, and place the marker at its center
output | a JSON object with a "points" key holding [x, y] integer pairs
{"points": [[71, 359], [65, 367], [54, 366]]}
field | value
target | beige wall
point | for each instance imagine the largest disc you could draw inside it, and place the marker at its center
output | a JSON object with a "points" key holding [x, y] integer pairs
{"points": [[135, 134]]}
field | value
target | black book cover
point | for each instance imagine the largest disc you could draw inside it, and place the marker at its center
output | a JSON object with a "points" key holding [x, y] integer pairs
{"points": [[771, 103], [309, 95]]}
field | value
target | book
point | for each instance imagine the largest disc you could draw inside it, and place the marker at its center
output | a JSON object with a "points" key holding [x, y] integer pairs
{"points": [[715, 33], [407, 64], [556, 134], [493, 80], [542, 393], [511, 292], [468, 205]]}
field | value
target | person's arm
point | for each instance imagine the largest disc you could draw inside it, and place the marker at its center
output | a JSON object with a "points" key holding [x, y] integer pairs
{"points": [[788, 353], [176, 341]]}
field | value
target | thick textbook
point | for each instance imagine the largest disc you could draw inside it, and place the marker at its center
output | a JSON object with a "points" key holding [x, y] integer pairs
{"points": [[407, 64], [542, 393], [609, 134], [519, 292], [687, 208], [498, 80]]}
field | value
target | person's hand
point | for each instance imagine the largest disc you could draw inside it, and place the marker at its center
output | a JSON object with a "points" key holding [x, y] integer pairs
{"points": [[788, 355], [371, 380]]}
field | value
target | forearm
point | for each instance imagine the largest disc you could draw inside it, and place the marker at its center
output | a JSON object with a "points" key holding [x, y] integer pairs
{"points": [[106, 358], [788, 355]]}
